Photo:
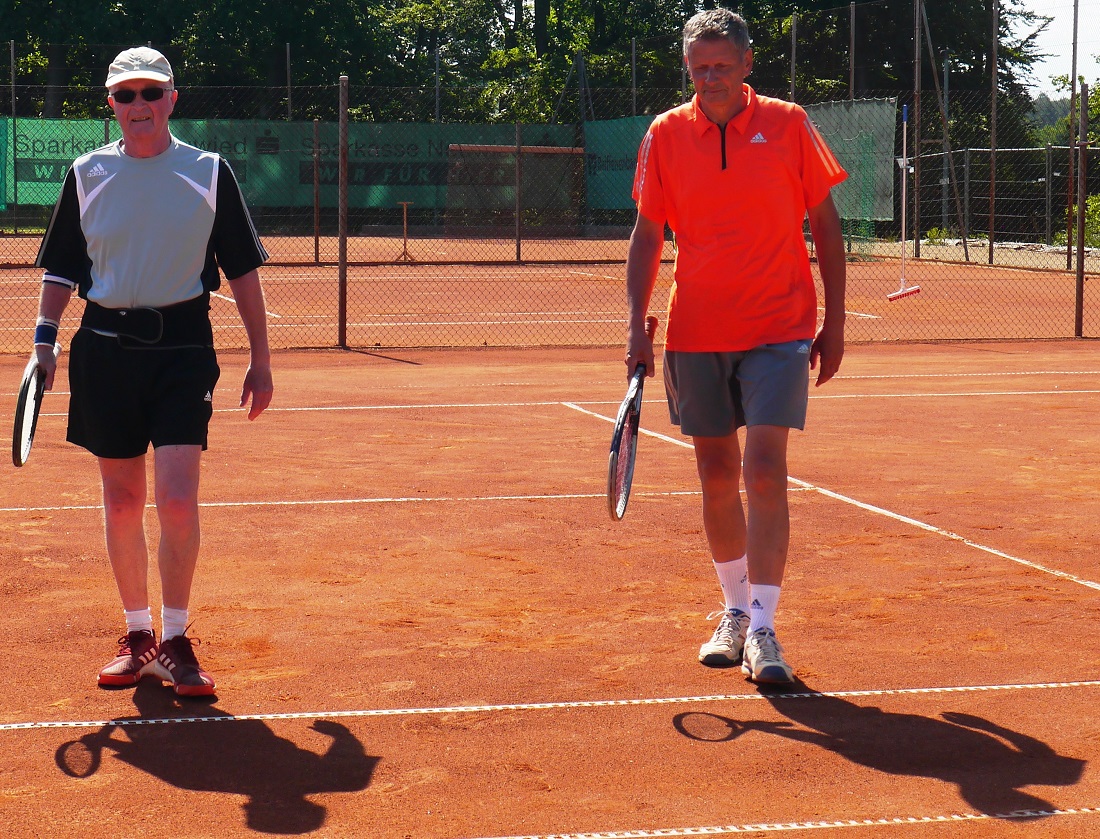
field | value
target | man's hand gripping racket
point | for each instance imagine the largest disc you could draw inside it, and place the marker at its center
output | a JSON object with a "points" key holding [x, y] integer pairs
{"points": [[27, 406], [624, 440]]}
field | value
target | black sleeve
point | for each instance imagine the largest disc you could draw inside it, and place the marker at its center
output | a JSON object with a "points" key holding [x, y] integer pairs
{"points": [[64, 250], [234, 243]]}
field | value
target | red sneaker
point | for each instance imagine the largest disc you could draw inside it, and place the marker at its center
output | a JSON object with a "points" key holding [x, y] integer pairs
{"points": [[136, 653], [176, 663]]}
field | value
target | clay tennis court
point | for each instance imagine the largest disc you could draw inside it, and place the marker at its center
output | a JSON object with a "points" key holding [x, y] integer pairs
{"points": [[581, 304], [424, 624]]}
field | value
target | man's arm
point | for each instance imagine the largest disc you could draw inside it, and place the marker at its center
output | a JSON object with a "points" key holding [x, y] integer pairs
{"points": [[643, 258], [51, 305], [828, 346], [249, 297]]}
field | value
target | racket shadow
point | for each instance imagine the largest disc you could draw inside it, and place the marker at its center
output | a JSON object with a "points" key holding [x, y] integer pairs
{"points": [[988, 762], [217, 753]]}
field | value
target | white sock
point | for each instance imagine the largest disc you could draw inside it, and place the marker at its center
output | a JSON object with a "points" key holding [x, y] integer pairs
{"points": [[765, 600], [733, 576], [173, 622], [139, 619]]}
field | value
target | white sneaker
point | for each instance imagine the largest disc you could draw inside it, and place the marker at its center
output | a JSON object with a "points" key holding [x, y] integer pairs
{"points": [[725, 645], [763, 659]]}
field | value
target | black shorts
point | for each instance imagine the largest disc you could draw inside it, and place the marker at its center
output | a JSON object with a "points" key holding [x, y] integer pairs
{"points": [[123, 399]]}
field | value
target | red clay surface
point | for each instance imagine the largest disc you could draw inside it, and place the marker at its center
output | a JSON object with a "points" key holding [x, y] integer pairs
{"points": [[550, 300], [424, 624]]}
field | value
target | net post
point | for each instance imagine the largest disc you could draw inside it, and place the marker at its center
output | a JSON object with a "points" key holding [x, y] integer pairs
{"points": [[405, 255], [342, 201]]}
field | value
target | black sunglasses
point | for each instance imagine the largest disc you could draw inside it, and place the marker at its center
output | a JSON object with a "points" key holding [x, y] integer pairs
{"points": [[149, 94]]}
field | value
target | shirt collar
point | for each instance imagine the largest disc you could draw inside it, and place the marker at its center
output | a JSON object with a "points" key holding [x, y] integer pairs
{"points": [[740, 122]]}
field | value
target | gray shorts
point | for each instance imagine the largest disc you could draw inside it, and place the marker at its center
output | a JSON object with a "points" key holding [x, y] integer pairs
{"points": [[712, 394]]}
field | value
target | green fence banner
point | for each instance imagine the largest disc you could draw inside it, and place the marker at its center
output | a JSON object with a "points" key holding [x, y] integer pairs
{"points": [[860, 133], [276, 162], [611, 155]]}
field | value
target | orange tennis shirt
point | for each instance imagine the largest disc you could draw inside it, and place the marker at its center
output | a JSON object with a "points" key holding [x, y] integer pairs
{"points": [[736, 201]]}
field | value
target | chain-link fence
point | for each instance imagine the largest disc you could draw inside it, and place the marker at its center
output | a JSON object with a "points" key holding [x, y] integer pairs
{"points": [[460, 234]]}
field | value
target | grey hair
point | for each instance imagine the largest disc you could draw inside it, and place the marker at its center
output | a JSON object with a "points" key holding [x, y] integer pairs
{"points": [[717, 23]]}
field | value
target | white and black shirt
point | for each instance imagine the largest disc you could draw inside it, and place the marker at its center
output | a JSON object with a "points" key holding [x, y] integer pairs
{"points": [[128, 232]]}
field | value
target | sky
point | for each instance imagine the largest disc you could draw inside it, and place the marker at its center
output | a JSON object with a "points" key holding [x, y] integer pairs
{"points": [[1058, 42]]}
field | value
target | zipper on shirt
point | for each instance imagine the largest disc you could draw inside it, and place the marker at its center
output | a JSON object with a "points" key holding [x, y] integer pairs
{"points": [[722, 134]]}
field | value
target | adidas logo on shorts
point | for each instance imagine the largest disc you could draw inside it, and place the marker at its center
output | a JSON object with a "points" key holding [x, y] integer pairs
{"points": [[209, 397]]}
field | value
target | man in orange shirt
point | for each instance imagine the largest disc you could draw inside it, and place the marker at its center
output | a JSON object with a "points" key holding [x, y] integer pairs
{"points": [[733, 175]]}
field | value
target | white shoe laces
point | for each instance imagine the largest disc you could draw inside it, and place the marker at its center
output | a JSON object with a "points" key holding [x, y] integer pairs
{"points": [[727, 627], [767, 647], [723, 633]]}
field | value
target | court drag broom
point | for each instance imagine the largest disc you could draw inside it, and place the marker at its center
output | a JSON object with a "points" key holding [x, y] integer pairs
{"points": [[904, 290]]}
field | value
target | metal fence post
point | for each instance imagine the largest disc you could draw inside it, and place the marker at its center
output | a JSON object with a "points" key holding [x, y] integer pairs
{"points": [[794, 49], [14, 153], [966, 193], [316, 192], [918, 130], [1048, 238], [993, 130], [342, 202], [519, 192], [1083, 144]]}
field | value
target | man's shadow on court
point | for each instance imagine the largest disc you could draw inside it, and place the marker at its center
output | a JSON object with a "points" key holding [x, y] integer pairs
{"points": [[987, 762], [238, 757]]}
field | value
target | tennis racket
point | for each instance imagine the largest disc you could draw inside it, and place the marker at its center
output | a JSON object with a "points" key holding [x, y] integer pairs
{"points": [[624, 441], [27, 407]]}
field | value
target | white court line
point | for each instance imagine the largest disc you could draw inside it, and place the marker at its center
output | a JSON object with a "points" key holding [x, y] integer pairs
{"points": [[863, 315], [576, 404], [330, 502], [540, 321], [551, 706], [1057, 392], [871, 508], [783, 827], [969, 375], [270, 313]]}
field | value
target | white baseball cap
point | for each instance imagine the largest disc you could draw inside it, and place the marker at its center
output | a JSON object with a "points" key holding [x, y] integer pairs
{"points": [[139, 63]]}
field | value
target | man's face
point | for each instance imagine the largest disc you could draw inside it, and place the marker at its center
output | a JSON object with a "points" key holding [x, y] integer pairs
{"points": [[718, 70], [142, 120]]}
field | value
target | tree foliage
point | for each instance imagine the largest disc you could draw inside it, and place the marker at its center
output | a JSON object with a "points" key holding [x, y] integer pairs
{"points": [[517, 59]]}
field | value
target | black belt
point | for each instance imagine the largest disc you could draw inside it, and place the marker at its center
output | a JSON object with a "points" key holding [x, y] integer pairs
{"points": [[179, 325]]}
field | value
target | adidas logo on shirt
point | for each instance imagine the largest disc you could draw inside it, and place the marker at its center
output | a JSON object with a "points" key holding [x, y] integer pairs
{"points": [[759, 138], [97, 171]]}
